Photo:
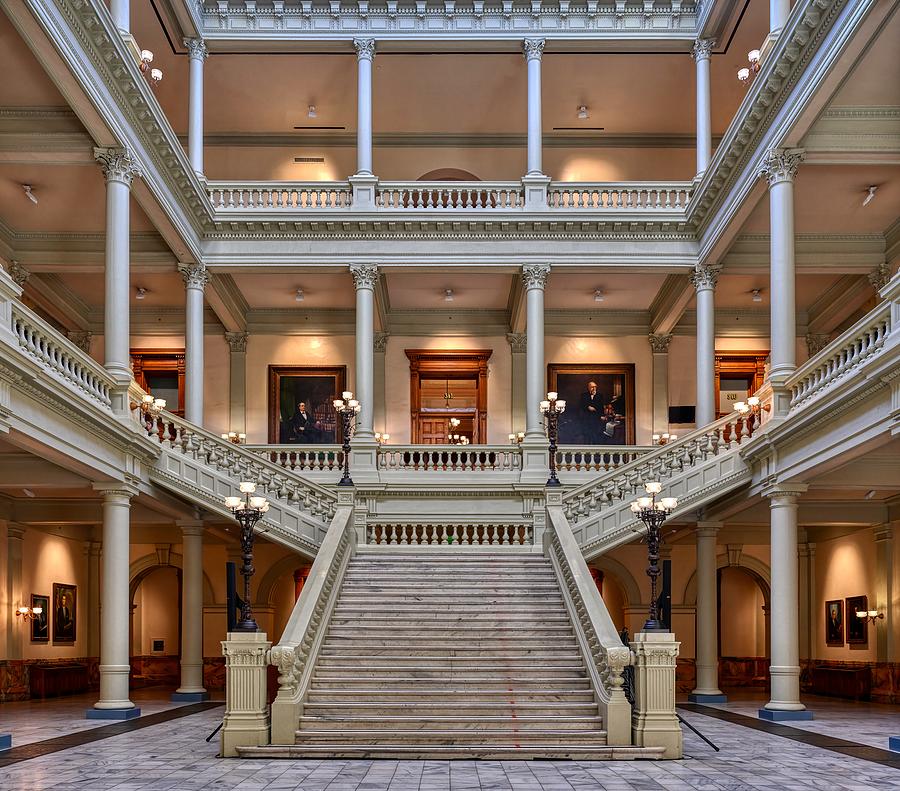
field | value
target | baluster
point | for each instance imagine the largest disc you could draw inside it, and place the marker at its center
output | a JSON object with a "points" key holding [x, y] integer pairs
{"points": [[505, 539], [403, 535]]}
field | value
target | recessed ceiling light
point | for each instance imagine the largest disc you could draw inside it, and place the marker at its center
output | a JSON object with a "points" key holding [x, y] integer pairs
{"points": [[448, 295], [141, 293], [757, 297], [599, 296]]}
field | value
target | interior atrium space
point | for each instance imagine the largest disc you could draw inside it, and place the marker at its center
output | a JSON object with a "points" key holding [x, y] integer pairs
{"points": [[449, 394]]}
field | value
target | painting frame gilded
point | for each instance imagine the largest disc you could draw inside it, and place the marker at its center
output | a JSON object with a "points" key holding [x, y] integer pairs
{"points": [[318, 385], [617, 398], [834, 622], [64, 624]]}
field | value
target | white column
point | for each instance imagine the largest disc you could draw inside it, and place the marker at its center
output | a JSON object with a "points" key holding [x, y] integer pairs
{"points": [[707, 661], [365, 55], [191, 688], [784, 619], [197, 53], [533, 50], [195, 278], [121, 14], [15, 595], [534, 446], [365, 276], [778, 14], [237, 381], [779, 168], [115, 665], [701, 52], [659, 345], [704, 279], [119, 168]]}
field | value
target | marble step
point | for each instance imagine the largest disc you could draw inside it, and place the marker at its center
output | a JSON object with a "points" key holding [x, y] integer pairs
{"points": [[451, 621], [438, 709], [463, 630], [485, 583], [419, 674], [514, 724], [389, 668], [373, 575], [471, 602], [452, 696], [495, 752], [513, 645], [462, 655], [438, 684], [418, 613], [449, 736]]}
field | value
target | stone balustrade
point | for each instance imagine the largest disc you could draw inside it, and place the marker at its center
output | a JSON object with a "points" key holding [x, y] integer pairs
{"points": [[59, 357], [860, 343], [595, 458], [449, 458], [450, 196], [301, 458], [451, 535], [633, 196], [279, 195]]}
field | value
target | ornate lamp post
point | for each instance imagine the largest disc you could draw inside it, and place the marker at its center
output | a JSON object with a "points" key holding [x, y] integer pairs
{"points": [[551, 409], [247, 510], [653, 514], [348, 408]]}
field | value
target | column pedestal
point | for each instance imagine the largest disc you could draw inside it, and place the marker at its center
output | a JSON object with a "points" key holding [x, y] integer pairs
{"points": [[246, 722], [654, 722]]}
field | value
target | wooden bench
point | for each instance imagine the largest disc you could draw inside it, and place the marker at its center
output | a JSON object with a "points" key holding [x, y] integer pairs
{"points": [[62, 679]]}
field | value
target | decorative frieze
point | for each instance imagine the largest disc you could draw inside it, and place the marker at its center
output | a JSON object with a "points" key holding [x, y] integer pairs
{"points": [[118, 164], [237, 341], [364, 275], [535, 275], [781, 164], [195, 276], [659, 344]]}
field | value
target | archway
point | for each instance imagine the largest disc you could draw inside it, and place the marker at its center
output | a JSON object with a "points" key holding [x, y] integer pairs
{"points": [[155, 633], [618, 588], [448, 174]]}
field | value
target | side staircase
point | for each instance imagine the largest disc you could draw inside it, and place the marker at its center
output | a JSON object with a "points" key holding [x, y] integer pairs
{"points": [[440, 655]]}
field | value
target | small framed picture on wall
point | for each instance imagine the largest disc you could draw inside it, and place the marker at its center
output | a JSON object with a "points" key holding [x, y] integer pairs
{"points": [[857, 628], [64, 612], [40, 626], [834, 622]]}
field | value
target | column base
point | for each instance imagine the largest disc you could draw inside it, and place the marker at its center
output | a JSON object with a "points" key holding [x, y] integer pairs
{"points": [[189, 697], [112, 714], [894, 744], [702, 697], [778, 715], [6, 741]]}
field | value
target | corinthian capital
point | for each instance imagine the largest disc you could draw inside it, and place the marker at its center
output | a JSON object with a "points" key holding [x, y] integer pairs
{"points": [[365, 48], [364, 275], [237, 341], [196, 48], [535, 275], [18, 273], [533, 48], [659, 344], [195, 276], [781, 164], [702, 48], [704, 277], [879, 276], [118, 164]]}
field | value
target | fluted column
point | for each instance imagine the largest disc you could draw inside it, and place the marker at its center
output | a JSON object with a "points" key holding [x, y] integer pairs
{"points": [[365, 56], [119, 169], [365, 276], [195, 279], [533, 50], [701, 52], [191, 688], [784, 670], [659, 346], [115, 664], [707, 662], [779, 168], [237, 381], [197, 53], [704, 279]]}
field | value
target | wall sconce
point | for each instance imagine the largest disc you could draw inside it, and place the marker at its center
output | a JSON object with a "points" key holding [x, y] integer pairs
{"points": [[664, 439], [29, 613], [745, 74], [155, 75], [869, 616], [517, 438], [235, 438], [150, 406], [380, 438]]}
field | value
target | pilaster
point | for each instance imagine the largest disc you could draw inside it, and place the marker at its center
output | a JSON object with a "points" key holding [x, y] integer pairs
{"points": [[237, 380], [15, 594], [517, 347], [659, 346], [885, 592]]}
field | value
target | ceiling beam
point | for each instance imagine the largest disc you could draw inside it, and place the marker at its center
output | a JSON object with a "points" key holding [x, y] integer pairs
{"points": [[227, 302], [52, 295], [382, 303], [818, 254], [838, 303], [515, 305], [669, 304], [24, 470]]}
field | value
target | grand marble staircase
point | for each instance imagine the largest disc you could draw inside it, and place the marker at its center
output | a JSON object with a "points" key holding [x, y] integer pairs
{"points": [[433, 654]]}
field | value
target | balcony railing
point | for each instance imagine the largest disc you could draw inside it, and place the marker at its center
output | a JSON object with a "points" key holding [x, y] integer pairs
{"points": [[631, 196], [279, 195], [450, 196]]}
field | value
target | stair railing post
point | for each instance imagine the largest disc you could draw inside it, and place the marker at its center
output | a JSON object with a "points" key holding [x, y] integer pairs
{"points": [[246, 722]]}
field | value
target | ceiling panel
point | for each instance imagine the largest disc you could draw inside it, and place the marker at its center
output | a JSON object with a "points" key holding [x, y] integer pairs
{"points": [[575, 291], [425, 290], [331, 290]]}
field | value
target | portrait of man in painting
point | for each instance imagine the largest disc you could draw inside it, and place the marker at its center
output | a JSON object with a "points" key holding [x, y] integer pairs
{"points": [[834, 622], [301, 408], [64, 613], [599, 403]]}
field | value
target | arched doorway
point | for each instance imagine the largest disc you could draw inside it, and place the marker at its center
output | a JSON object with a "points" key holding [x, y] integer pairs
{"points": [[744, 631], [448, 174], [155, 634]]}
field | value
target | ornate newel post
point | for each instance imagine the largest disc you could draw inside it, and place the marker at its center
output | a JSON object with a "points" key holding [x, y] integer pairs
{"points": [[246, 722], [654, 722]]}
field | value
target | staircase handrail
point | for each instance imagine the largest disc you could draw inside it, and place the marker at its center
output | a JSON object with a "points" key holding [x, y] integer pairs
{"points": [[173, 431], [605, 656], [657, 465], [296, 651]]}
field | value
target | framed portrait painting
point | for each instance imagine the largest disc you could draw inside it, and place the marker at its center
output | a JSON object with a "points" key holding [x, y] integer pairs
{"points": [[857, 628], [40, 626], [834, 622], [65, 610], [301, 408], [599, 403]]}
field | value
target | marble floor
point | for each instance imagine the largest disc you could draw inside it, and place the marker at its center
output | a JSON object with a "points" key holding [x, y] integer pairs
{"points": [[174, 755]]}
